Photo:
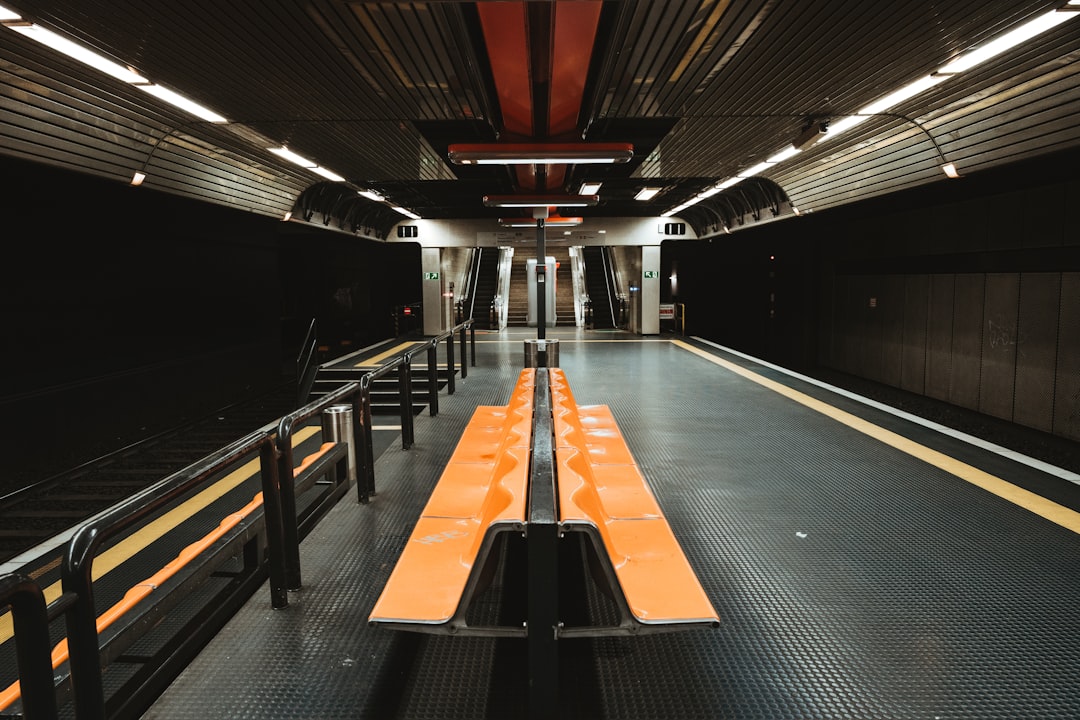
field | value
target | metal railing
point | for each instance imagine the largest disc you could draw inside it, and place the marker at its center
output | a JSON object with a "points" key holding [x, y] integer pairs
{"points": [[30, 622], [305, 364], [269, 542]]}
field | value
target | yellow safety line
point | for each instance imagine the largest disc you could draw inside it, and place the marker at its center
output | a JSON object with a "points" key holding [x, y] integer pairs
{"points": [[136, 542], [1063, 516], [376, 359]]}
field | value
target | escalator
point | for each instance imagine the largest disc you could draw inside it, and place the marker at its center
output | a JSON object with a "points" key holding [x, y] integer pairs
{"points": [[486, 284], [597, 276]]}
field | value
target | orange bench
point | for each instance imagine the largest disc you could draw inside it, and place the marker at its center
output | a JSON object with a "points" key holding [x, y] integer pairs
{"points": [[603, 494], [482, 492]]}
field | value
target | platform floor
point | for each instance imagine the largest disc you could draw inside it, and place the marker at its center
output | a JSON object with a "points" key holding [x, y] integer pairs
{"points": [[863, 566]]}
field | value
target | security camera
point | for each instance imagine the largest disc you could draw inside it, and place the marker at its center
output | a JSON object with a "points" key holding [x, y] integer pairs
{"points": [[810, 134]]}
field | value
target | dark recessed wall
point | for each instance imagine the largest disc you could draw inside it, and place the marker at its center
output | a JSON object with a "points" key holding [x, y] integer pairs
{"points": [[126, 312], [965, 291]]}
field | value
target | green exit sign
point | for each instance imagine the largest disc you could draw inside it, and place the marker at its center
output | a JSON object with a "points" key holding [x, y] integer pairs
{"points": [[431, 276], [652, 274]]}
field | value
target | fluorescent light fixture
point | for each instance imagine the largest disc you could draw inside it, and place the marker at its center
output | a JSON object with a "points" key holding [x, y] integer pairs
{"points": [[540, 200], [647, 193], [303, 162], [78, 52], [293, 157], [332, 176], [287, 216], [539, 153], [751, 171], [371, 195], [593, 188], [950, 170], [7, 15], [789, 152], [845, 124], [1009, 40], [183, 103], [898, 96], [137, 178], [406, 213], [529, 222]]}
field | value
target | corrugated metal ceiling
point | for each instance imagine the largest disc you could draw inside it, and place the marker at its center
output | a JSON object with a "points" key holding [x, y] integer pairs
{"points": [[376, 91]]}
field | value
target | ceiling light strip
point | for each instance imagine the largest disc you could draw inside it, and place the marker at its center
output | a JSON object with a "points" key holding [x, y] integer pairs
{"points": [[964, 62]]}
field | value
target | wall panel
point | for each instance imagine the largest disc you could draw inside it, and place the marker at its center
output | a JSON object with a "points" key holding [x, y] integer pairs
{"points": [[891, 312], [965, 373], [1067, 381], [1036, 349], [939, 336], [913, 368], [999, 345]]}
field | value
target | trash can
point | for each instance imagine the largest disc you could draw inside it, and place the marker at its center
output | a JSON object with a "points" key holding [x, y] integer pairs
{"points": [[337, 426], [541, 353]]}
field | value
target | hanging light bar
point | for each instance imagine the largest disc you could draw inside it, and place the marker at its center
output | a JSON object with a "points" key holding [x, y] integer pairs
{"points": [[540, 200], [531, 223], [539, 153]]}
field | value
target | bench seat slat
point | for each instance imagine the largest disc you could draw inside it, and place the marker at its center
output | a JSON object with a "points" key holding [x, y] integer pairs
{"points": [[603, 493], [441, 551], [481, 492]]}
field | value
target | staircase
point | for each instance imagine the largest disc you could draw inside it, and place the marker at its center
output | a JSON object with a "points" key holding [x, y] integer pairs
{"points": [[596, 286], [517, 309], [486, 284], [385, 391]]}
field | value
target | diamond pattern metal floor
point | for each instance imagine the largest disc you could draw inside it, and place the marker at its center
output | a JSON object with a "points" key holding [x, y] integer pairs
{"points": [[852, 579]]}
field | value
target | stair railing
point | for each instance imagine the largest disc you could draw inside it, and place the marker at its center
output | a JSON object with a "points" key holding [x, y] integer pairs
{"points": [[306, 367]]}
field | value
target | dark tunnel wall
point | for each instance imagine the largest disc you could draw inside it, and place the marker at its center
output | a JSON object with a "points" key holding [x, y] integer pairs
{"points": [[966, 291], [126, 312]]}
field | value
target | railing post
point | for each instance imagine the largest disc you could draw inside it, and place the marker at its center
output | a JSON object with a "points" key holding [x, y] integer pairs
{"points": [[405, 395], [464, 355], [290, 534], [31, 624], [81, 622], [543, 561], [450, 363], [472, 341], [275, 525], [365, 462], [433, 378]]}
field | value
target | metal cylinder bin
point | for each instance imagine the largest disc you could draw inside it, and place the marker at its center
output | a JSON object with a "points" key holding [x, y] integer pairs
{"points": [[337, 426], [541, 353]]}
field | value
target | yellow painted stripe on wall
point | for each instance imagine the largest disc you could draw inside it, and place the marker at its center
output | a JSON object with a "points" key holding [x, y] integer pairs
{"points": [[1055, 513]]}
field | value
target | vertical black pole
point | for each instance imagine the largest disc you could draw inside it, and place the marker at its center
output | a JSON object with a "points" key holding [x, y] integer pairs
{"points": [[31, 623], [365, 463], [464, 355], [405, 395], [541, 286], [450, 363], [433, 378], [543, 561], [275, 525], [472, 341], [290, 533]]}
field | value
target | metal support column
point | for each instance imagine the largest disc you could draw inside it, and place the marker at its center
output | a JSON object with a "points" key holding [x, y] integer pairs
{"points": [[433, 378], [405, 395], [543, 561]]}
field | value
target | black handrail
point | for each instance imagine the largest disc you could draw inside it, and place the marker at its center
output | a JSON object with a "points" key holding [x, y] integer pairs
{"points": [[31, 623], [77, 566], [305, 365], [611, 283]]}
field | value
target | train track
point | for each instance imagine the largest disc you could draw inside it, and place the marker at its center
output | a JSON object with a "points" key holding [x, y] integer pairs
{"points": [[45, 509]]}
